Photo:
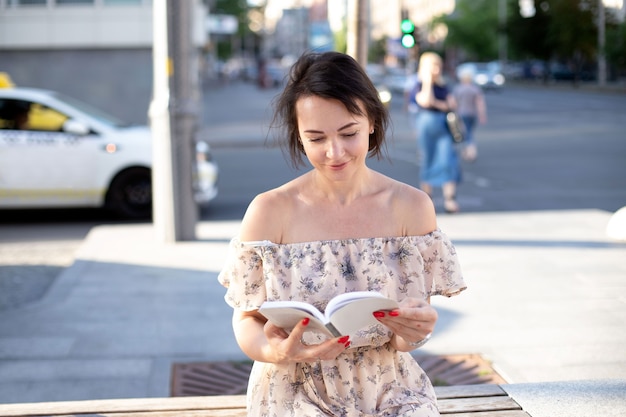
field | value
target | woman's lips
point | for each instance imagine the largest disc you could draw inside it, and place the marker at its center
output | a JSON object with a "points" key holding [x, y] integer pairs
{"points": [[338, 166]]}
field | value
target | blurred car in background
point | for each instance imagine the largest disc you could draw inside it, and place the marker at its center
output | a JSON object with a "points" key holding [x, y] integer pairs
{"points": [[376, 74], [486, 74], [58, 152], [396, 79], [384, 94], [5, 80]]}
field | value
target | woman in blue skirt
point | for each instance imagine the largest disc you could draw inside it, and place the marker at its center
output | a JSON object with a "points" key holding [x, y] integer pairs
{"points": [[440, 165]]}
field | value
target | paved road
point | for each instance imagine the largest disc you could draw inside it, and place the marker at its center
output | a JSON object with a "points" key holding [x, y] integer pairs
{"points": [[541, 149]]}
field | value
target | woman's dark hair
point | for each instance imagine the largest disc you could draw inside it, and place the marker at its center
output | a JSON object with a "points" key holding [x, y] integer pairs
{"points": [[330, 75]]}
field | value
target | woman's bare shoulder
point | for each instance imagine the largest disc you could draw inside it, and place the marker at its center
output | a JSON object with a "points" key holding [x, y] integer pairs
{"points": [[266, 214], [416, 209]]}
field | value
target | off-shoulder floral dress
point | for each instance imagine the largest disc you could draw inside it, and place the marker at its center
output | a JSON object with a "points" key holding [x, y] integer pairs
{"points": [[370, 378]]}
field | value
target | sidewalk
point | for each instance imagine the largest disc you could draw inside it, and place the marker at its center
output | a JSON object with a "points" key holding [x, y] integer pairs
{"points": [[545, 303]]}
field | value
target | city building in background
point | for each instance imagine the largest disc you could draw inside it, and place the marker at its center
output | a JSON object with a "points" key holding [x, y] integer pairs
{"points": [[99, 51]]}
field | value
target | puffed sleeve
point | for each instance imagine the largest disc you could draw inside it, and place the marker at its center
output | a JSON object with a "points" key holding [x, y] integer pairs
{"points": [[242, 275], [442, 270]]}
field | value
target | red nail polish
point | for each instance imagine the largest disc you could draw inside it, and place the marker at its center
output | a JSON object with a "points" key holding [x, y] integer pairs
{"points": [[343, 339], [379, 314], [347, 345], [305, 321], [394, 313]]}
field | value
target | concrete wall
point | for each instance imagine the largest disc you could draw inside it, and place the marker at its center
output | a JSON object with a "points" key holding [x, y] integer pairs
{"points": [[78, 26], [100, 53], [118, 81]]}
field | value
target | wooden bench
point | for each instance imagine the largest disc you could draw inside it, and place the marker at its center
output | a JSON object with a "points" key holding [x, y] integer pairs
{"points": [[486, 400]]}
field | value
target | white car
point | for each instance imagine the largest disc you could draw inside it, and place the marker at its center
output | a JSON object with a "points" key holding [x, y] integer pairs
{"points": [[58, 152], [488, 75]]}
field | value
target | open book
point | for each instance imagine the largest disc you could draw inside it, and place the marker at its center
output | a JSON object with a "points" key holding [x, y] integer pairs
{"points": [[345, 314]]}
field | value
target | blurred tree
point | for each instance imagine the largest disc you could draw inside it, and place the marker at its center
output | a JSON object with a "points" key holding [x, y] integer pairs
{"points": [[473, 28], [236, 8], [560, 30], [564, 31], [573, 31], [528, 36], [616, 49], [377, 50], [341, 41]]}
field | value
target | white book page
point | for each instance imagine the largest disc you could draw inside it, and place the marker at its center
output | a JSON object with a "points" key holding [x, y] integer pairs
{"points": [[358, 314], [287, 314], [339, 301]]}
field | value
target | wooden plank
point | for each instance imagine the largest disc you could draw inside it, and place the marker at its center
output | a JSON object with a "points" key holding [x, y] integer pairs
{"points": [[195, 413], [124, 405], [242, 413], [464, 391], [474, 404], [487, 400], [501, 413]]}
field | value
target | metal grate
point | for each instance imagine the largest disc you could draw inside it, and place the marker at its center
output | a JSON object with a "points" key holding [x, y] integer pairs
{"points": [[462, 369], [210, 378], [231, 378]]}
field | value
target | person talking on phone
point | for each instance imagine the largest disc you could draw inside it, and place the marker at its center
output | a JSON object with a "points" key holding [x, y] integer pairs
{"points": [[439, 162]]}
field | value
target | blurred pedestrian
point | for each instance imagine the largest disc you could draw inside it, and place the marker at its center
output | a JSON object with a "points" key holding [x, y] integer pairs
{"points": [[439, 161], [471, 107], [339, 227]]}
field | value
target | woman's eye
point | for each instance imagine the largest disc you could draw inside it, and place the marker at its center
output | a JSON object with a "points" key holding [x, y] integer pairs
{"points": [[349, 135]]}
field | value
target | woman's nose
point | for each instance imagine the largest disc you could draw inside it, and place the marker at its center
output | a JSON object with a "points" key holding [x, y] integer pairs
{"points": [[334, 149]]}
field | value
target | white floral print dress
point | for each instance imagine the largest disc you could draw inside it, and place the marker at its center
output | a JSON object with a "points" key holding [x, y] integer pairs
{"points": [[370, 378]]}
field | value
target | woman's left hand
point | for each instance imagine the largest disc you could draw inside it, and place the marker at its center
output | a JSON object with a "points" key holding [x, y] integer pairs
{"points": [[412, 322]]}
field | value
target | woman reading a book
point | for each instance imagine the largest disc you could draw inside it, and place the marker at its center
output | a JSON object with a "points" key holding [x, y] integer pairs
{"points": [[340, 227]]}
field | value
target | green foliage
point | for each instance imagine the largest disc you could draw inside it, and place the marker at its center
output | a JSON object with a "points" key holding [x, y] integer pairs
{"points": [[616, 49], [341, 41], [572, 31], [562, 30], [377, 50], [238, 8], [473, 27], [528, 37]]}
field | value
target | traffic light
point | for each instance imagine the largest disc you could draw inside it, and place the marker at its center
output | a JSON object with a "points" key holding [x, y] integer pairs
{"points": [[408, 33]]}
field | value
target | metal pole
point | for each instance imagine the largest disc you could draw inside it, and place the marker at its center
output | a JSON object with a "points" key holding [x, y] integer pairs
{"points": [[357, 39], [502, 38], [173, 114], [601, 44]]}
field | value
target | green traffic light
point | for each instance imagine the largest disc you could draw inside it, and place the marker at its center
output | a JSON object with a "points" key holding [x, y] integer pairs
{"points": [[408, 41], [407, 26]]}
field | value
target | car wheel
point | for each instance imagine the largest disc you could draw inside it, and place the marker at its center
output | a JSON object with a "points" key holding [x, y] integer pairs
{"points": [[130, 194]]}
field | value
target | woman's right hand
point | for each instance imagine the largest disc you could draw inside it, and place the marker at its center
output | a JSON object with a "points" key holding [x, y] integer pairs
{"points": [[288, 347]]}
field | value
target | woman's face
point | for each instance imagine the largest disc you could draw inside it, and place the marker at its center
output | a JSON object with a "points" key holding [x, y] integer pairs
{"points": [[435, 68], [335, 141], [432, 67]]}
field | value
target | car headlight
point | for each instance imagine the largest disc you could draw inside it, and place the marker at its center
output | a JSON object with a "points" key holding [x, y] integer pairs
{"points": [[498, 79], [385, 96], [481, 79]]}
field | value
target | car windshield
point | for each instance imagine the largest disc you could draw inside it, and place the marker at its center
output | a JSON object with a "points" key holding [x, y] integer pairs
{"points": [[97, 114]]}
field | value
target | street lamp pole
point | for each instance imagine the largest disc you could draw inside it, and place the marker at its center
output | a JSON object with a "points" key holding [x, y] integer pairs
{"points": [[502, 39], [173, 115], [357, 39], [601, 43]]}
